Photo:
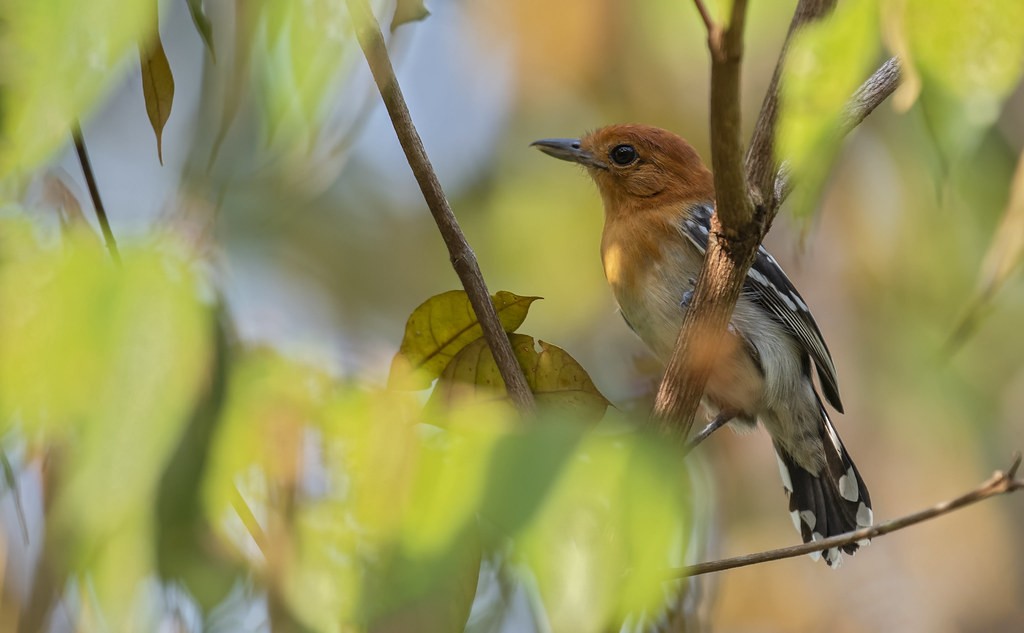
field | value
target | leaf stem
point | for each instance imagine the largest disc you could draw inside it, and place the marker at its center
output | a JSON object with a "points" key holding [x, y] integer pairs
{"points": [[94, 192]]}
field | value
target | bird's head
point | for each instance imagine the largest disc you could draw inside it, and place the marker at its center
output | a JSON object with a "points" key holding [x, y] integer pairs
{"points": [[637, 166]]}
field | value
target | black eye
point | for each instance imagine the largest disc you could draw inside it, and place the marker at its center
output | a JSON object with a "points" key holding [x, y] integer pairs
{"points": [[623, 154]]}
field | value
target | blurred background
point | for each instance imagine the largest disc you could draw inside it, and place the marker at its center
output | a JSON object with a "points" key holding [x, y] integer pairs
{"points": [[287, 178]]}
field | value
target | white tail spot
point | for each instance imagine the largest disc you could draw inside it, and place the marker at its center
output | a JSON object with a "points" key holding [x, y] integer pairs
{"points": [[848, 486]]}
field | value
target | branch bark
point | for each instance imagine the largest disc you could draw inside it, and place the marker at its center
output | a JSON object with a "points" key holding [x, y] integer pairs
{"points": [[1001, 482], [748, 195], [463, 259]]}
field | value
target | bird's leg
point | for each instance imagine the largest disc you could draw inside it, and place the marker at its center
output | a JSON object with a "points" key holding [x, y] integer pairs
{"points": [[720, 420], [688, 295]]}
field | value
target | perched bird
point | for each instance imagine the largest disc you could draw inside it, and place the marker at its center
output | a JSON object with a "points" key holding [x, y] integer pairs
{"points": [[658, 200]]}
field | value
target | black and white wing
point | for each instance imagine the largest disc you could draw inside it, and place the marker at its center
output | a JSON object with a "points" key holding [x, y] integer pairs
{"points": [[769, 287]]}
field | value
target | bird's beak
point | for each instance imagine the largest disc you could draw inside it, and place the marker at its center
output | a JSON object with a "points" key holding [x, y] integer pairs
{"points": [[569, 149]]}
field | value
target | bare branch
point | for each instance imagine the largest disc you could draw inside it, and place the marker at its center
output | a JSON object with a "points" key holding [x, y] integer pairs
{"points": [[1000, 483], [714, 32], [94, 192], [870, 95], [760, 161], [463, 259]]}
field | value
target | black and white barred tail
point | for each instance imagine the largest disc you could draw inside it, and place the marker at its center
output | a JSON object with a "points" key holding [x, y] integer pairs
{"points": [[829, 503]]}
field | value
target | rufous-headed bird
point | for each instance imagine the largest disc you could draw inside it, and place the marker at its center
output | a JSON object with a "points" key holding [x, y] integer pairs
{"points": [[658, 200]]}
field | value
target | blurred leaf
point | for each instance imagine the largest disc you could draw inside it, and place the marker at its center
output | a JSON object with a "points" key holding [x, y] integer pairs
{"points": [[157, 89], [965, 56], [560, 384], [304, 48], [442, 326], [609, 533], [826, 63], [409, 11], [59, 58], [235, 77], [104, 364], [1003, 257], [202, 24]]}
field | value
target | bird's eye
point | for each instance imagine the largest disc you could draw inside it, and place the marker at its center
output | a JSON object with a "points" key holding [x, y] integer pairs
{"points": [[623, 155]]}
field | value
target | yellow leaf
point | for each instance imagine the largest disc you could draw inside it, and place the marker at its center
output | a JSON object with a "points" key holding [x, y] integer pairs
{"points": [[157, 89], [559, 383], [440, 328]]}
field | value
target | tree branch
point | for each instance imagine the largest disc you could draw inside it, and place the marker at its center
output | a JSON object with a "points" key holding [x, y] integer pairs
{"points": [[1000, 483], [463, 259], [94, 192], [760, 161]]}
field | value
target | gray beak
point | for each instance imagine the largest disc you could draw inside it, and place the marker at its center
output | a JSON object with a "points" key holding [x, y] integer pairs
{"points": [[568, 149]]}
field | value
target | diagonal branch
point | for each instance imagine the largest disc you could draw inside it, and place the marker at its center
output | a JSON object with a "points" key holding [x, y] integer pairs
{"points": [[1002, 482], [760, 161], [463, 259], [94, 192]]}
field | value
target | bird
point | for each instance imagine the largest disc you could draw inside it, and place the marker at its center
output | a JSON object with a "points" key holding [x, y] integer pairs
{"points": [[658, 199]]}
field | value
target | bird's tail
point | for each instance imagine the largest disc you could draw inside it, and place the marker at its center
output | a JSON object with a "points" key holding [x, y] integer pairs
{"points": [[829, 503]]}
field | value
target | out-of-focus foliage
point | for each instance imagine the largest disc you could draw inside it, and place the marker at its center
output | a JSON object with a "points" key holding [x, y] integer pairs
{"points": [[826, 62], [99, 366], [440, 328], [59, 57], [202, 24], [966, 57]]}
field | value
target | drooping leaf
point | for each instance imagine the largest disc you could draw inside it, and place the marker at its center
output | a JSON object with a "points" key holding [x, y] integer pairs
{"points": [[440, 328], [157, 88], [963, 58], [826, 62], [203, 25], [409, 11], [60, 58], [559, 383]]}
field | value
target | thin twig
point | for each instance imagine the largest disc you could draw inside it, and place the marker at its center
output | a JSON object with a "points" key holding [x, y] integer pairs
{"points": [[761, 160], [371, 40], [94, 192], [714, 32], [1000, 483]]}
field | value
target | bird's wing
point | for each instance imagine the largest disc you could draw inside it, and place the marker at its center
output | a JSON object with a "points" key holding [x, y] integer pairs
{"points": [[769, 287]]}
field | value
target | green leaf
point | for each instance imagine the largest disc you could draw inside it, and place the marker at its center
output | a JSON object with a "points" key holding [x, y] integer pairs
{"points": [[559, 383], [202, 24], [609, 533], [963, 59], [60, 58], [826, 62], [408, 11], [440, 328], [103, 364], [157, 89]]}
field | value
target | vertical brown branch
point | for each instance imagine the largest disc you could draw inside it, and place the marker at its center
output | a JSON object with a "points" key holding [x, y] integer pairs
{"points": [[463, 259], [731, 247]]}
